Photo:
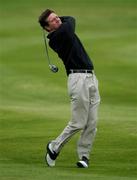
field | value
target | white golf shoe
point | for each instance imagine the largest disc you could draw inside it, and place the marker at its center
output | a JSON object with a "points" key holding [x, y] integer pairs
{"points": [[83, 163], [50, 156]]}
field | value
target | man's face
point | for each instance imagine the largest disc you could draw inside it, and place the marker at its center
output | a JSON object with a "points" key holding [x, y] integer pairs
{"points": [[54, 22]]}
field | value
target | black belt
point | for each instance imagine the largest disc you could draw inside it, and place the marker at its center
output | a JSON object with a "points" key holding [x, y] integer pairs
{"points": [[80, 71]]}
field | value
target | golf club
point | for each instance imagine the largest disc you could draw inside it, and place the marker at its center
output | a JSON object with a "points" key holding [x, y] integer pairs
{"points": [[52, 67]]}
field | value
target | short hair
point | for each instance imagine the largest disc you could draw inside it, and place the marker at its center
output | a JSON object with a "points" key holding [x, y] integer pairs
{"points": [[43, 18]]}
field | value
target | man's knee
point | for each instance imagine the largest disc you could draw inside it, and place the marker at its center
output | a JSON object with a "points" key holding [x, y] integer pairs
{"points": [[77, 126]]}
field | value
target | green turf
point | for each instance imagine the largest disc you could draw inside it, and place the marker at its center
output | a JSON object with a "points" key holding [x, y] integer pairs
{"points": [[34, 105]]}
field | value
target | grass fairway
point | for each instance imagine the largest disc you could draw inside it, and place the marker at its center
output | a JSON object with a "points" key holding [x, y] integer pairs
{"points": [[34, 105]]}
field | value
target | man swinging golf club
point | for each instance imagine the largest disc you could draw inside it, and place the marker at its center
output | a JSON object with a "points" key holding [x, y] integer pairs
{"points": [[82, 87]]}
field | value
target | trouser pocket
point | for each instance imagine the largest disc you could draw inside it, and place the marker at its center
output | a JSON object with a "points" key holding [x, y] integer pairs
{"points": [[73, 81]]}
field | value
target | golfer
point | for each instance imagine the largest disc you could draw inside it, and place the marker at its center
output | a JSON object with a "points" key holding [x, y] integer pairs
{"points": [[82, 87]]}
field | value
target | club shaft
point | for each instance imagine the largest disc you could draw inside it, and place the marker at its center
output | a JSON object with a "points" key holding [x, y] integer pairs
{"points": [[46, 47]]}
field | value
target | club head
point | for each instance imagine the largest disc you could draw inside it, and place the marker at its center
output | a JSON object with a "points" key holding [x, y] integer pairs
{"points": [[53, 68]]}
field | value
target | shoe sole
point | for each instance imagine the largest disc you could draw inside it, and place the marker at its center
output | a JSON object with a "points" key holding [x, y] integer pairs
{"points": [[50, 162]]}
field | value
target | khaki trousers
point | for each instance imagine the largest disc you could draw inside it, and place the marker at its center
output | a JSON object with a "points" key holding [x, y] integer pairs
{"points": [[85, 98]]}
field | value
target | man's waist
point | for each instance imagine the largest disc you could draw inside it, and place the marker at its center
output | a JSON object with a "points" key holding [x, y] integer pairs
{"points": [[71, 71]]}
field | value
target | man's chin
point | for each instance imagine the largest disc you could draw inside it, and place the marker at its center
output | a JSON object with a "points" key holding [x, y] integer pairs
{"points": [[58, 25]]}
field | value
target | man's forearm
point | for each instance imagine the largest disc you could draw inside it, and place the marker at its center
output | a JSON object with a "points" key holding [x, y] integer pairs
{"points": [[70, 20]]}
